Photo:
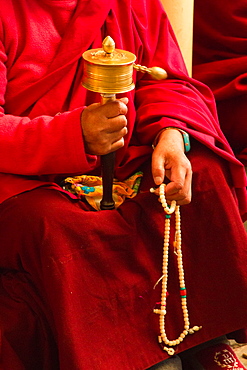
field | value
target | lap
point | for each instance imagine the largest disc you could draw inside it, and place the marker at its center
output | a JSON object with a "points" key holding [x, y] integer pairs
{"points": [[84, 263], [31, 216]]}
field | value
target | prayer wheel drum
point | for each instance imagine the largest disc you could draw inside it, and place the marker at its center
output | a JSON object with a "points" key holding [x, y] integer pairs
{"points": [[108, 70]]}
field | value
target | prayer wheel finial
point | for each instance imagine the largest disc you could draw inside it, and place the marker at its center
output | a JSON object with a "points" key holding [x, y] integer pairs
{"points": [[108, 45]]}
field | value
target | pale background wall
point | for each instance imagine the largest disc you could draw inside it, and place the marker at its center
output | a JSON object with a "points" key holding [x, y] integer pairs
{"points": [[180, 13]]}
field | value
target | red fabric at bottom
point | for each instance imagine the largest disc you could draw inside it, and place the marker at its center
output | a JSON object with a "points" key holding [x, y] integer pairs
{"points": [[218, 357], [27, 341], [83, 280]]}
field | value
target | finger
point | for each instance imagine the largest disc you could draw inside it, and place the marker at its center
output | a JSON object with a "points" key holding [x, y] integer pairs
{"points": [[114, 108], [92, 106], [116, 124], [180, 198], [158, 167], [112, 141], [117, 145], [180, 190], [125, 100], [117, 139]]}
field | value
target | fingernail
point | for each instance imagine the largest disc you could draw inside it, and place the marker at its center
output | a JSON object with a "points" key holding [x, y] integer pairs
{"points": [[158, 180]]}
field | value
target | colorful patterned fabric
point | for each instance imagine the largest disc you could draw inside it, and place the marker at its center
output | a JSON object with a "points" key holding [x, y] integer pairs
{"points": [[91, 188]]}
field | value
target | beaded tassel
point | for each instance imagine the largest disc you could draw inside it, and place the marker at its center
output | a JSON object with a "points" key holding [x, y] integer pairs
{"points": [[168, 344]]}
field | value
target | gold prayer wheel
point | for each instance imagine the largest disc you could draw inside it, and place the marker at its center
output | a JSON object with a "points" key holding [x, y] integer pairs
{"points": [[109, 70]]}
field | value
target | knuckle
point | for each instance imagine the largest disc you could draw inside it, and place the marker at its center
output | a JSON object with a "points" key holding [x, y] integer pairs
{"points": [[104, 143], [124, 120], [117, 106], [122, 108], [189, 166], [121, 142], [121, 121]]}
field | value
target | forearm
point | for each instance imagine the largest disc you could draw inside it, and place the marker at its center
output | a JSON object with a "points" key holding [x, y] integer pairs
{"points": [[44, 145]]}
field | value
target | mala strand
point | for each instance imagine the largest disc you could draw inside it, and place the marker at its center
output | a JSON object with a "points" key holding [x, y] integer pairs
{"points": [[168, 344]]}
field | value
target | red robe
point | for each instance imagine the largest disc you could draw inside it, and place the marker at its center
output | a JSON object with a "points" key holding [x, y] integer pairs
{"points": [[219, 60], [84, 280]]}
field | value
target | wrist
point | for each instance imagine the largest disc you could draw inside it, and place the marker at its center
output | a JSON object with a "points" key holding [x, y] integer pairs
{"points": [[185, 137]]}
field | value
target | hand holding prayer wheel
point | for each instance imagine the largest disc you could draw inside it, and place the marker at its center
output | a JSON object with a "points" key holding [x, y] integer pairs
{"points": [[104, 126], [109, 71]]}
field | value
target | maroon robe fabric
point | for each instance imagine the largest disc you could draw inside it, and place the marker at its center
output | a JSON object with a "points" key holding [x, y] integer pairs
{"points": [[43, 99], [219, 60], [83, 280]]}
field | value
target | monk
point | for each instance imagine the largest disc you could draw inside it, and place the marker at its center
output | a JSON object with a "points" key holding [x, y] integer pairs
{"points": [[219, 59], [83, 288]]}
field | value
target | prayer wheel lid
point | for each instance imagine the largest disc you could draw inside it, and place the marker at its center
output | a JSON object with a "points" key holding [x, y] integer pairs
{"points": [[108, 55]]}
